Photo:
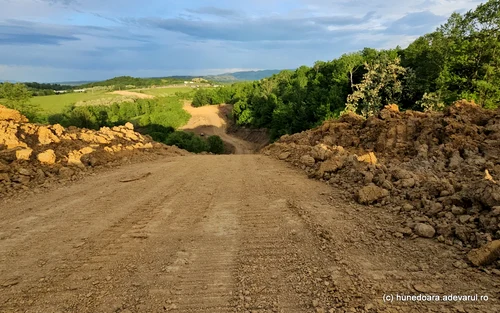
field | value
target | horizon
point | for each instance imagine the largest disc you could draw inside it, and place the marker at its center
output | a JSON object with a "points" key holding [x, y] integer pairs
{"points": [[72, 40], [142, 77]]}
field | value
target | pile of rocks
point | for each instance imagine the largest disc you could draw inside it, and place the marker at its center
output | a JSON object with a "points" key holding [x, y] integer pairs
{"points": [[440, 170], [32, 154]]}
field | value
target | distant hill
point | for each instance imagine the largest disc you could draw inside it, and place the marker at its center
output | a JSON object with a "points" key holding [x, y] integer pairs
{"points": [[7, 81], [242, 76], [148, 81], [75, 83]]}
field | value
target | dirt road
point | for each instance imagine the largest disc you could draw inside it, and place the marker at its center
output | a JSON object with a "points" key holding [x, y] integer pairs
{"points": [[209, 120], [234, 233]]}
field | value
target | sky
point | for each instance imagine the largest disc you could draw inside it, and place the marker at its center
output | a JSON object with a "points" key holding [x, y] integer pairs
{"points": [[75, 40]]}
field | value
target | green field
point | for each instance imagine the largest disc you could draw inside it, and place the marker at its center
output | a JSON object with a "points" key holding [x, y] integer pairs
{"points": [[57, 103], [162, 92]]}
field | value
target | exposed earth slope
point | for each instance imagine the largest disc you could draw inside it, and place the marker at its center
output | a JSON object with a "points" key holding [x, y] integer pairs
{"points": [[210, 120]]}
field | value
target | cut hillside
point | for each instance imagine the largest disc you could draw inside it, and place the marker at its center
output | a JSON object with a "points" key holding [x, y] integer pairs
{"points": [[439, 170], [33, 155]]}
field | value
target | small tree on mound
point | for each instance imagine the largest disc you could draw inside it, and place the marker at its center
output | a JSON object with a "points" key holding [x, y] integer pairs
{"points": [[381, 85]]}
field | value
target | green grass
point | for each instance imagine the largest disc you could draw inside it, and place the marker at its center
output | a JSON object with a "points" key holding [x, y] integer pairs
{"points": [[163, 92], [57, 103]]}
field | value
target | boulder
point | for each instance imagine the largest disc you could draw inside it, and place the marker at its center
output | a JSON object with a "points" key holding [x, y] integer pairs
{"points": [[25, 172], [485, 255], [24, 154], [8, 135], [47, 157], [130, 135], [307, 160], [369, 158], [283, 155], [58, 129], [321, 152], [46, 136], [65, 172], [74, 157], [424, 230], [371, 193], [129, 125], [331, 165]]}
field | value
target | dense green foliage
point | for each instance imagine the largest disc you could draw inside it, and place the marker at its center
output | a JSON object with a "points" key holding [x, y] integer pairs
{"points": [[461, 59], [190, 142], [17, 96], [187, 141], [215, 144], [41, 89], [207, 96]]}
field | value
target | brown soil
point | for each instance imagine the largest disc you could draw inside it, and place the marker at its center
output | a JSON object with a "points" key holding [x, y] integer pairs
{"points": [[229, 233], [211, 120], [239, 233], [437, 169], [33, 155]]}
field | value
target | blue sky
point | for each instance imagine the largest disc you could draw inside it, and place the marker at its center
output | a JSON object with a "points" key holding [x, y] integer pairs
{"points": [[68, 40]]}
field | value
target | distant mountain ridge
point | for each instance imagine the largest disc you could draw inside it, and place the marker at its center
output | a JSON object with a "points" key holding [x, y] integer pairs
{"points": [[222, 78], [75, 83], [242, 76]]}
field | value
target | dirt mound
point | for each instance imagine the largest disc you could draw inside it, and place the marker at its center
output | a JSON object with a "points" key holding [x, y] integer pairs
{"points": [[33, 155], [11, 115], [437, 169]]}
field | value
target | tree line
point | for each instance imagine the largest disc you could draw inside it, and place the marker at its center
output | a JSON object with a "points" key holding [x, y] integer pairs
{"points": [[460, 60], [124, 82]]}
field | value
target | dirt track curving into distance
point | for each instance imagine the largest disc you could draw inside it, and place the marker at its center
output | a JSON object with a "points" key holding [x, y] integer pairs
{"points": [[232, 233], [210, 120]]}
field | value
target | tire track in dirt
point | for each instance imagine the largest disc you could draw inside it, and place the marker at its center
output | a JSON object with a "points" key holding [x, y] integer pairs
{"points": [[239, 233]]}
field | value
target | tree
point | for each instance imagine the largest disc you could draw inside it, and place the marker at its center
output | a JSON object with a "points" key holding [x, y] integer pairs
{"points": [[15, 94], [17, 97], [381, 85], [215, 145]]}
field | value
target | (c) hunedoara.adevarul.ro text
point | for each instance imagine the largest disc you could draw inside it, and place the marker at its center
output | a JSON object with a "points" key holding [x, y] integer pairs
{"points": [[399, 297]]}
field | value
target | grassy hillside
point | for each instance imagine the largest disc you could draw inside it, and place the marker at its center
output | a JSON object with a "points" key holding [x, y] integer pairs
{"points": [[163, 92], [57, 103]]}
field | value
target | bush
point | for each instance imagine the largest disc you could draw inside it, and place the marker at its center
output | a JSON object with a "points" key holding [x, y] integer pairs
{"points": [[186, 141], [215, 145], [158, 132]]}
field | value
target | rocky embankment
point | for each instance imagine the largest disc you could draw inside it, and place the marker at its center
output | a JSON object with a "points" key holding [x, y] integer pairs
{"points": [[33, 155], [440, 171]]}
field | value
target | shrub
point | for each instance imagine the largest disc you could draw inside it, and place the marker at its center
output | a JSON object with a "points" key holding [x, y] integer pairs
{"points": [[187, 141], [215, 145]]}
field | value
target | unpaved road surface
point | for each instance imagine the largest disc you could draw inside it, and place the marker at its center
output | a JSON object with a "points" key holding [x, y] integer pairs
{"points": [[209, 120], [233, 233]]}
